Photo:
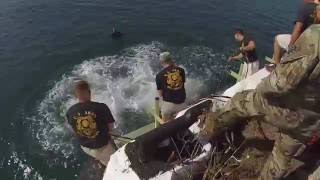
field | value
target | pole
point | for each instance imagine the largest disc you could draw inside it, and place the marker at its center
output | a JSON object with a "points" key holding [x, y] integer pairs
{"points": [[157, 112]]}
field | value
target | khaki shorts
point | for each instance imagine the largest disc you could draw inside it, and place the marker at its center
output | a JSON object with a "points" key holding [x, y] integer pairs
{"points": [[101, 154], [284, 41], [249, 69], [168, 109], [316, 174]]}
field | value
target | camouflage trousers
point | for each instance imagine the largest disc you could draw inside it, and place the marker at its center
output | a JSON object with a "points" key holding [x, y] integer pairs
{"points": [[250, 104]]}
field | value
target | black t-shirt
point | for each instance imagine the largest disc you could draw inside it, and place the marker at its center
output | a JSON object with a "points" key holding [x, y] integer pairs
{"points": [[90, 122], [171, 81], [306, 14], [251, 56]]}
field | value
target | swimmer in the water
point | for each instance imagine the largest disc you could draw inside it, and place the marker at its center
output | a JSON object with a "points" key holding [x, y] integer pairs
{"points": [[116, 34]]}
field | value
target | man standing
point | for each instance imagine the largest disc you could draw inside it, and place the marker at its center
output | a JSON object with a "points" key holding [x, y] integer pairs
{"points": [[91, 122], [307, 15], [247, 52], [170, 85]]}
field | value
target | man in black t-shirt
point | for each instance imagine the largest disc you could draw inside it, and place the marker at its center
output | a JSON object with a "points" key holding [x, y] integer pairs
{"points": [[247, 52], [170, 85], [308, 14], [91, 122]]}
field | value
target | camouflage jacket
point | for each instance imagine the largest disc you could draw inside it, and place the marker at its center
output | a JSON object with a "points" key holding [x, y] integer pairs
{"points": [[295, 85], [296, 81]]}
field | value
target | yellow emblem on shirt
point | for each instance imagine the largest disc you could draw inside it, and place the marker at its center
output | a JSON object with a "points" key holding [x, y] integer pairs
{"points": [[174, 79], [86, 125]]}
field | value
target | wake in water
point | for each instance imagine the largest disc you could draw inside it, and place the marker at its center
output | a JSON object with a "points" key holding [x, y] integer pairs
{"points": [[126, 83]]}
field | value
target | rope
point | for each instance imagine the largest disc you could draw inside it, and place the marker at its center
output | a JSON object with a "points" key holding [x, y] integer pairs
{"points": [[215, 96], [175, 145], [122, 137]]}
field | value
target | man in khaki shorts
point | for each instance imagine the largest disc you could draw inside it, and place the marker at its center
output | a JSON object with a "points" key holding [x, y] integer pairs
{"points": [[308, 14], [91, 122], [170, 85], [247, 53]]}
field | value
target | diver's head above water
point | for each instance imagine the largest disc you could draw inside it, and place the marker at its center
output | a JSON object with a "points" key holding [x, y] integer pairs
{"points": [[239, 35], [82, 91], [166, 59], [116, 34]]}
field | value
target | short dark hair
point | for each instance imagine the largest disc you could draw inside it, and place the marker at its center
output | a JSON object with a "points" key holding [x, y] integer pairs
{"points": [[239, 30], [82, 86]]}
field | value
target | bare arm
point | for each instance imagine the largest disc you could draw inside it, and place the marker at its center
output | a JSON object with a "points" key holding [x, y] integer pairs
{"points": [[238, 57], [160, 93], [68, 127], [297, 30], [159, 86], [251, 46], [109, 119], [110, 126]]}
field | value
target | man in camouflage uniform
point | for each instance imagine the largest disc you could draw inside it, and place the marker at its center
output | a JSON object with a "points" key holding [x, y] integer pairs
{"points": [[289, 99]]}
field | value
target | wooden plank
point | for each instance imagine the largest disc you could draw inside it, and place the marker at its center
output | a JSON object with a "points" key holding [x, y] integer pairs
{"points": [[134, 134], [140, 131], [237, 76], [240, 72]]}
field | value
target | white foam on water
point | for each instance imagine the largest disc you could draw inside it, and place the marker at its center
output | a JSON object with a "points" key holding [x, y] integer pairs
{"points": [[23, 170]]}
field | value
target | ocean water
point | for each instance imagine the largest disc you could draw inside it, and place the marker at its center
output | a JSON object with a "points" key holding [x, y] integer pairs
{"points": [[45, 45]]}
